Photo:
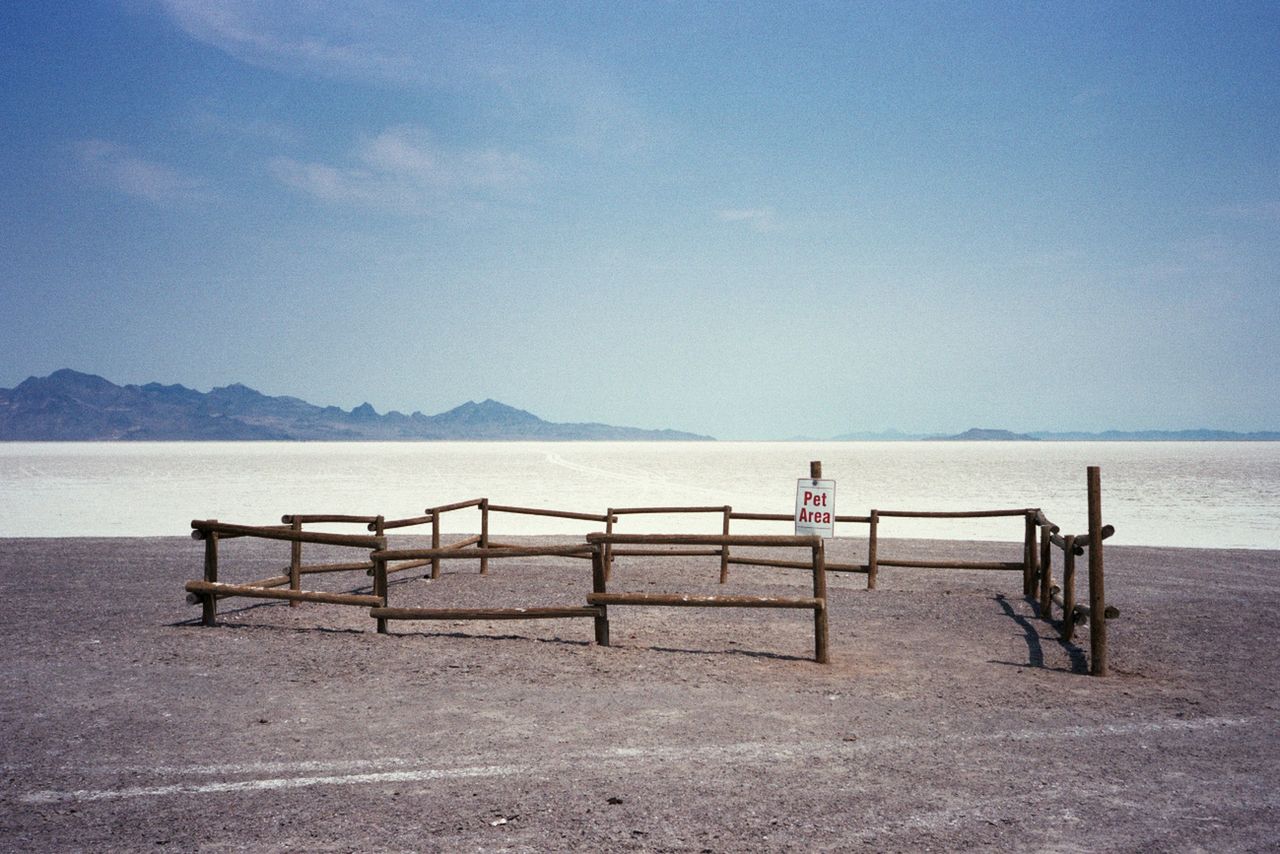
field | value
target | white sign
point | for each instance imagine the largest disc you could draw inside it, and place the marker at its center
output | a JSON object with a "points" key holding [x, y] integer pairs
{"points": [[815, 507]]}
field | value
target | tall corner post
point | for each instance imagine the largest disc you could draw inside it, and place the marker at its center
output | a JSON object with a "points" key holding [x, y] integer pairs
{"points": [[1046, 572], [1029, 556], [209, 604], [1097, 593]]}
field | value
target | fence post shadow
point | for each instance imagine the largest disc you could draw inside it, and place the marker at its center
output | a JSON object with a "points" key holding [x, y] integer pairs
{"points": [[1035, 645]]}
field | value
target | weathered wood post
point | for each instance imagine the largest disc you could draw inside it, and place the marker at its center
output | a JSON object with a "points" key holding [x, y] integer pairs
{"points": [[435, 542], [1029, 556], [1097, 596], [380, 585], [608, 548], [1046, 572], [295, 559], [1068, 587], [724, 550], [820, 613], [209, 605], [484, 533], [872, 547], [598, 585]]}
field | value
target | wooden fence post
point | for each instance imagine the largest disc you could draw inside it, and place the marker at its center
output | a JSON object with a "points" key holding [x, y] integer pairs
{"points": [[872, 546], [598, 585], [484, 533], [724, 550], [1046, 573], [820, 613], [1097, 597], [435, 542], [1068, 587], [209, 606], [1029, 556], [295, 560], [608, 548], [380, 587]]}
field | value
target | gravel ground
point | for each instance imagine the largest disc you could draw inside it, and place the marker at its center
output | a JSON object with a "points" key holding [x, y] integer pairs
{"points": [[951, 717]]}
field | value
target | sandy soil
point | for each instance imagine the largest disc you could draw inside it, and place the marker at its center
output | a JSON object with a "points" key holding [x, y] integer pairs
{"points": [[950, 718]]}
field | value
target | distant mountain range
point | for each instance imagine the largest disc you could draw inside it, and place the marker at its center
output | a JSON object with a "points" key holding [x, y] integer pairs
{"points": [[986, 434], [72, 406]]}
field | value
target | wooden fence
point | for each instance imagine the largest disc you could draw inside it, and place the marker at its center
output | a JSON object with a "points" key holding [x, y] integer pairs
{"points": [[1040, 536], [209, 590], [1097, 612], [432, 516]]}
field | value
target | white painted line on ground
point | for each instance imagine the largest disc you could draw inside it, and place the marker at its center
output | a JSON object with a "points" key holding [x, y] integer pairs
{"points": [[415, 776], [291, 767], [759, 751], [871, 744]]}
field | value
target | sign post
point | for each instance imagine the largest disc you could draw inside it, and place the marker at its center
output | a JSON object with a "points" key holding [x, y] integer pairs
{"points": [[815, 504]]}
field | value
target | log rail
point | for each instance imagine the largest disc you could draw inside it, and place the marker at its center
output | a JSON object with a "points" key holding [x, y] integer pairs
{"points": [[601, 598], [209, 590]]}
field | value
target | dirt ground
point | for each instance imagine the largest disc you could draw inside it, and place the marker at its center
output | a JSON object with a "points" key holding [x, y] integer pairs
{"points": [[951, 717]]}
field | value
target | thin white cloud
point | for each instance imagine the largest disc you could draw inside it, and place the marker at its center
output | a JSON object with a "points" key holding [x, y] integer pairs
{"points": [[411, 153], [403, 169], [328, 38], [1089, 95], [121, 168], [758, 219], [527, 81]]}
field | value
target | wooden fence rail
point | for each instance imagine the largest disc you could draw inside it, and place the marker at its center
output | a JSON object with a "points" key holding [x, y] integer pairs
{"points": [[602, 598], [210, 590], [875, 561], [382, 611]]}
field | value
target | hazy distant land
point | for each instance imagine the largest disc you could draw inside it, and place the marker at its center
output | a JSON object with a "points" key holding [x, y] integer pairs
{"points": [[979, 434], [72, 406], [69, 405]]}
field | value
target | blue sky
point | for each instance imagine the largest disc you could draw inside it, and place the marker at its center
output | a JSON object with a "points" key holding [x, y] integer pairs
{"points": [[752, 220]]}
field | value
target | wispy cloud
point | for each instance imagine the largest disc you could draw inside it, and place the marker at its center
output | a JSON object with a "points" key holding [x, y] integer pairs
{"points": [[327, 38], [403, 169], [121, 168], [757, 219], [528, 81], [1089, 95]]}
